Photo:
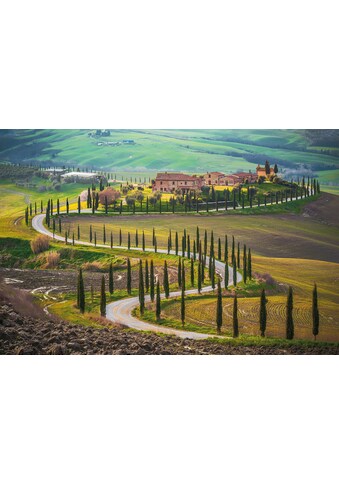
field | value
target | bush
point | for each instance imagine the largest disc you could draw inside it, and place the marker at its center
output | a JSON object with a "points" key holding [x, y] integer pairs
{"points": [[40, 244], [52, 260], [93, 266]]}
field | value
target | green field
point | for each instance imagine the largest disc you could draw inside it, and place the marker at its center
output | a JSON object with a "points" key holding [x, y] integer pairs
{"points": [[184, 150]]}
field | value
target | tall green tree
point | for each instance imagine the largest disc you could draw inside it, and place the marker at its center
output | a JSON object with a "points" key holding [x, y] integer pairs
{"points": [[233, 249], [129, 276], [81, 292], [110, 279], [263, 313], [226, 278], [166, 281], [158, 302], [244, 264], [141, 289], [182, 304], [151, 281], [27, 217], [315, 312], [103, 298], [104, 234], [289, 315], [192, 272], [235, 318], [219, 308], [234, 273], [79, 205], [249, 264], [179, 273], [146, 276], [219, 249], [143, 241]]}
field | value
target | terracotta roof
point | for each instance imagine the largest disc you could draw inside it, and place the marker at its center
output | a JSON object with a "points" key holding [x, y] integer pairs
{"points": [[175, 176]]}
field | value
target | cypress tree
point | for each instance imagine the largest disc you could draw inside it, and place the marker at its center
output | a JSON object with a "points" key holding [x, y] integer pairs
{"points": [[235, 318], [110, 279], [205, 246], [192, 272], [153, 237], [219, 309], [183, 278], [95, 239], [78, 232], [263, 313], [58, 206], [234, 273], [141, 289], [120, 237], [143, 241], [27, 217], [73, 238], [315, 312], [79, 205], [129, 277], [179, 273], [66, 237], [103, 298], [183, 246], [30, 209], [170, 238], [111, 239], [199, 277], [89, 198], [194, 251], [176, 243], [226, 249], [198, 236], [51, 206], [166, 282], [238, 255], [60, 228], [151, 278], [67, 206], [219, 249], [129, 241], [136, 238], [213, 272], [188, 246], [233, 249], [244, 264], [226, 278], [168, 245], [155, 245], [81, 292], [90, 233], [249, 264], [53, 225], [146, 276], [158, 302], [41, 207], [289, 315], [104, 234], [182, 304]]}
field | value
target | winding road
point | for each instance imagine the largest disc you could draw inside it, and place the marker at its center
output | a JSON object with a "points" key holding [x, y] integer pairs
{"points": [[121, 311]]}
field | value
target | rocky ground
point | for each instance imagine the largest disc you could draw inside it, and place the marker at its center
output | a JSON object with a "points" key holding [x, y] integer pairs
{"points": [[25, 329]]}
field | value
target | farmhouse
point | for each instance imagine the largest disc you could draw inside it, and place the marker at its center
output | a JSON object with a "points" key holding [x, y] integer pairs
{"points": [[261, 171], [213, 178], [169, 182]]}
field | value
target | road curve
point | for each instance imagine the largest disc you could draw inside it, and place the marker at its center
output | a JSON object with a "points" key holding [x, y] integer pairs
{"points": [[121, 311]]}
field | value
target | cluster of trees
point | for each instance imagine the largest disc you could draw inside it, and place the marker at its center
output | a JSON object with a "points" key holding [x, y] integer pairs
{"points": [[237, 198]]}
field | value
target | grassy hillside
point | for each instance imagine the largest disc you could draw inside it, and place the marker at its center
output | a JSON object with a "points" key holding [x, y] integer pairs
{"points": [[190, 150]]}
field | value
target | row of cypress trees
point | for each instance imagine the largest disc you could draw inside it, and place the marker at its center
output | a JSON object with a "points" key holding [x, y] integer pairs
{"points": [[238, 199]]}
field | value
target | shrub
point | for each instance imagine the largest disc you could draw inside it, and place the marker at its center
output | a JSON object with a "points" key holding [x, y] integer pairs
{"points": [[40, 244], [52, 259], [93, 266]]}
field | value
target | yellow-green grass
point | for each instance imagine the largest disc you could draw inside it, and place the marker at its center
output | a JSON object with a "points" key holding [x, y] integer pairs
{"points": [[284, 235], [201, 310]]}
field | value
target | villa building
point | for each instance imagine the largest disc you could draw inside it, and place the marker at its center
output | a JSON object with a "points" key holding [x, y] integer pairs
{"points": [[261, 172], [169, 182]]}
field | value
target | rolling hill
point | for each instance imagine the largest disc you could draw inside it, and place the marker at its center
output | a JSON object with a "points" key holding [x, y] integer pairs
{"points": [[189, 150]]}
